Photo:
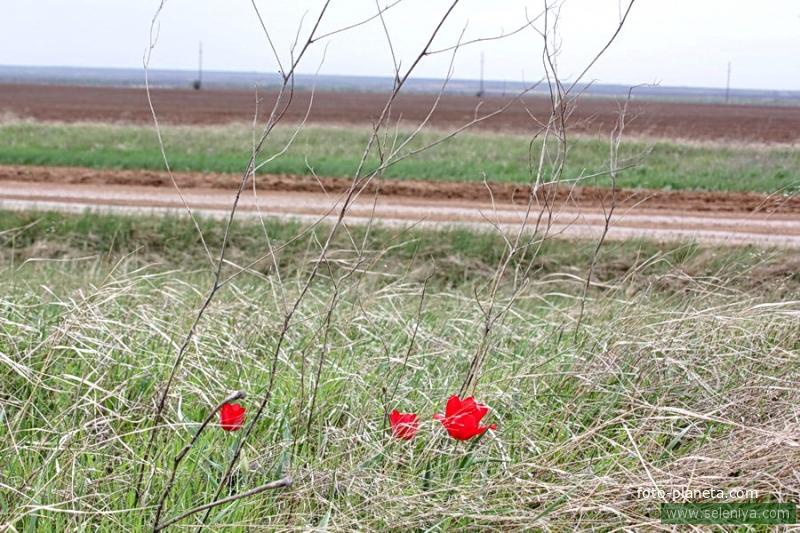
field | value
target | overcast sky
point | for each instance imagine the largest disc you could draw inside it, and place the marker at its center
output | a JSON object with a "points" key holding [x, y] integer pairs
{"points": [[672, 42]]}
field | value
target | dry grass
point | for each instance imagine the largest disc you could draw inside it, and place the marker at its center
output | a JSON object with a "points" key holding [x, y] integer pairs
{"points": [[684, 376]]}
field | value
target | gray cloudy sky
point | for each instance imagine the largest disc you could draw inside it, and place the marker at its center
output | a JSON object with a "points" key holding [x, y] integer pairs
{"points": [[673, 42]]}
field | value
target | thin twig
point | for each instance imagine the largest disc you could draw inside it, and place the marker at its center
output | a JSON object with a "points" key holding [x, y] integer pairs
{"points": [[238, 395], [280, 483]]}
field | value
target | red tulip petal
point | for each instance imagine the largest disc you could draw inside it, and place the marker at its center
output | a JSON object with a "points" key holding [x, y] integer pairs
{"points": [[453, 406], [405, 430], [461, 427], [468, 403]]}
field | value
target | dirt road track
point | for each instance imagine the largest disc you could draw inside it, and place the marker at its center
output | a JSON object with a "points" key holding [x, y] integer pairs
{"points": [[570, 219], [679, 120], [586, 197]]}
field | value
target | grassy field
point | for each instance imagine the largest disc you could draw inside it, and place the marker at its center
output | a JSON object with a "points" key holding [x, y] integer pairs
{"points": [[334, 152], [683, 375]]}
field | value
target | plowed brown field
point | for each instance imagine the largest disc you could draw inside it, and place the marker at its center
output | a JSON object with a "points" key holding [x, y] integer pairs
{"points": [[744, 123]]}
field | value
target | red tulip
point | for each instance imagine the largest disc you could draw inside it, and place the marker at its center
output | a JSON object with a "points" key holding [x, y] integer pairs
{"points": [[462, 418], [231, 417], [404, 425]]}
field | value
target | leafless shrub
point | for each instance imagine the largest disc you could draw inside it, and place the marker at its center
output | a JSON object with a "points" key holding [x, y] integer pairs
{"points": [[545, 174]]}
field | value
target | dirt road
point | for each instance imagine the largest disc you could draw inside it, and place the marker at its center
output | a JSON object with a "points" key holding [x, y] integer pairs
{"points": [[503, 193], [570, 218]]}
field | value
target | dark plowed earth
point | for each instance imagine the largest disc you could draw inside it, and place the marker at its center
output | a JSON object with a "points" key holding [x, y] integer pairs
{"points": [[698, 121], [684, 201]]}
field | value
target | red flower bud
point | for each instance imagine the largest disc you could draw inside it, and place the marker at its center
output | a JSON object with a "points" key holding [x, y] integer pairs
{"points": [[404, 425], [231, 417]]}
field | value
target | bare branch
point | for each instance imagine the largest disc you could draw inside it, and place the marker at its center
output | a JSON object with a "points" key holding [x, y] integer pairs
{"points": [[272, 485]]}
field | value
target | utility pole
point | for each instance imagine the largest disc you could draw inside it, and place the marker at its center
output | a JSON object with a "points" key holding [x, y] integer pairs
{"points": [[728, 85], [480, 90], [198, 83]]}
